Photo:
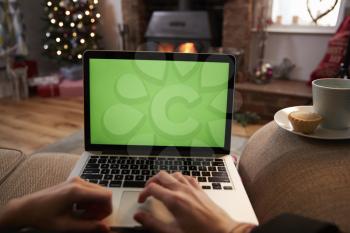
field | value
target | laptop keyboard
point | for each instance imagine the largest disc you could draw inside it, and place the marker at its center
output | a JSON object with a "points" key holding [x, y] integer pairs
{"points": [[133, 172]]}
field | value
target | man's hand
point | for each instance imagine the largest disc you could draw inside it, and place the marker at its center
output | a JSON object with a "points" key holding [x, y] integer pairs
{"points": [[192, 208], [52, 209]]}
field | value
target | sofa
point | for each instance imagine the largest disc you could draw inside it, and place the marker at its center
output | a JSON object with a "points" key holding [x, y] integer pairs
{"points": [[281, 172]]}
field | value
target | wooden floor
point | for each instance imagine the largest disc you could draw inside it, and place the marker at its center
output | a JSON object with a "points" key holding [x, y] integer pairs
{"points": [[37, 122], [31, 124]]}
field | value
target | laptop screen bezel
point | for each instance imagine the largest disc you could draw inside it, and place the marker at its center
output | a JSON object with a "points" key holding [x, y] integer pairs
{"points": [[157, 150]]}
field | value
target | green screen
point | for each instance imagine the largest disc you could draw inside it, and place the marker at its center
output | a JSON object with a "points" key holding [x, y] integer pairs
{"points": [[158, 103]]}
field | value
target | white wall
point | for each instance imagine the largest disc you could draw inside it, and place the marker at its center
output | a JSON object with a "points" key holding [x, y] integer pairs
{"points": [[304, 50]]}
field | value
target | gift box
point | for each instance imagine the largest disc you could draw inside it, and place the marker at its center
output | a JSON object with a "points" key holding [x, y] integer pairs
{"points": [[48, 90], [68, 88]]}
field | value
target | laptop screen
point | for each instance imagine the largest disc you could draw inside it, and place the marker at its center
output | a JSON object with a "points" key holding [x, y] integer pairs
{"points": [[158, 103]]}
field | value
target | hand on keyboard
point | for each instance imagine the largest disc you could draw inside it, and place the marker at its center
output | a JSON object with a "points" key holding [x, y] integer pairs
{"points": [[193, 210]]}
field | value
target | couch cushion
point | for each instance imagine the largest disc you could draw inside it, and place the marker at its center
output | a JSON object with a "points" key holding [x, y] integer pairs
{"points": [[283, 172], [9, 161], [39, 171]]}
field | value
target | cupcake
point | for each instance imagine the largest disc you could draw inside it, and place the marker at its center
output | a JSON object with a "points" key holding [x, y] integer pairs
{"points": [[304, 122]]}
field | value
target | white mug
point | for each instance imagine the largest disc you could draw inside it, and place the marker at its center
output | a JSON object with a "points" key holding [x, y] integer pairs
{"points": [[331, 99]]}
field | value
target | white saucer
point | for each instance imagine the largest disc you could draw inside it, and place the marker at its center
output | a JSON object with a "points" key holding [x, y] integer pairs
{"points": [[281, 118]]}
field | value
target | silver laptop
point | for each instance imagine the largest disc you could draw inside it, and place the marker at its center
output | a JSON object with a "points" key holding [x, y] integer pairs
{"points": [[146, 112]]}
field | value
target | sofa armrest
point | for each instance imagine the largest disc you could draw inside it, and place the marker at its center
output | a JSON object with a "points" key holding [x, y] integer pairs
{"points": [[37, 172], [9, 161]]}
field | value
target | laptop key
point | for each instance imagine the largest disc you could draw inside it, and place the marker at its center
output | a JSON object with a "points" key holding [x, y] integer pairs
{"points": [[221, 169], [102, 160], [220, 174], [104, 166], [126, 172], [115, 184], [124, 166], [145, 172], [218, 163], [206, 187], [219, 179], [92, 161], [115, 171], [91, 171], [134, 184], [103, 182], [206, 174], [204, 169], [108, 177], [92, 165], [129, 177], [195, 173], [140, 178], [104, 171], [118, 177], [134, 167], [193, 168], [212, 169], [227, 187], [144, 167], [183, 168], [91, 176], [135, 172], [93, 181], [202, 179], [216, 185], [186, 173]]}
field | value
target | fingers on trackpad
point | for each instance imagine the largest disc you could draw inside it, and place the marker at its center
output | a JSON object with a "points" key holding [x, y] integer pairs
{"points": [[129, 206]]}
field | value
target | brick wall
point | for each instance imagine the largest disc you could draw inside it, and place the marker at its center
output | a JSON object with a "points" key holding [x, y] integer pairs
{"points": [[237, 23]]}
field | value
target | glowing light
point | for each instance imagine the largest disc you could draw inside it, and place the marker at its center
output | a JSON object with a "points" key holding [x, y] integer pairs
{"points": [[98, 15], [46, 46], [87, 12], [60, 24], [80, 56], [75, 0], [187, 48], [67, 12], [72, 24], [48, 34], [95, 1], [55, 8], [49, 3], [53, 21], [82, 40], [91, 7], [61, 4], [92, 34], [80, 25], [74, 34], [80, 16], [58, 39], [65, 46], [50, 15], [59, 52], [92, 20]]}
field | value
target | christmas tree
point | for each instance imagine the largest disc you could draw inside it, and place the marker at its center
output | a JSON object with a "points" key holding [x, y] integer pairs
{"points": [[71, 29]]}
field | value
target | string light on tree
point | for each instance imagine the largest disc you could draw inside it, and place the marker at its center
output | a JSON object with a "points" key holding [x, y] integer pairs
{"points": [[70, 29]]}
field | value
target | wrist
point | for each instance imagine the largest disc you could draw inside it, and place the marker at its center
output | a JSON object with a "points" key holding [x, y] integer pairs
{"points": [[11, 216]]}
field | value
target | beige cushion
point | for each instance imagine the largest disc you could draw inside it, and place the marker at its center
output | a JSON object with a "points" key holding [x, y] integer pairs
{"points": [[9, 160], [39, 171], [283, 172]]}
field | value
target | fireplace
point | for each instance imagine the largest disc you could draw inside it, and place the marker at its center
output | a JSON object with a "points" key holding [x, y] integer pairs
{"points": [[179, 31]]}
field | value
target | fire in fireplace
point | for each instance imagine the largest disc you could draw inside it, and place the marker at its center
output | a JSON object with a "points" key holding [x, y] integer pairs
{"points": [[179, 31]]}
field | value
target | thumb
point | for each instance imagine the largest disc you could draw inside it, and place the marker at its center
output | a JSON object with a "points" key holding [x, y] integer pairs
{"points": [[151, 223], [81, 225]]}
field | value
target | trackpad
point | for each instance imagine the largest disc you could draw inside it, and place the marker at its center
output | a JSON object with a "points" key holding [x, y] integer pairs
{"points": [[127, 208]]}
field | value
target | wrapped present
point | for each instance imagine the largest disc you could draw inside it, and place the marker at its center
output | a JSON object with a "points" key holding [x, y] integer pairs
{"points": [[46, 86], [70, 88]]}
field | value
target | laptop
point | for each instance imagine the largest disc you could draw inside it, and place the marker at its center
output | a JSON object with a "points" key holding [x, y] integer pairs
{"points": [[147, 111]]}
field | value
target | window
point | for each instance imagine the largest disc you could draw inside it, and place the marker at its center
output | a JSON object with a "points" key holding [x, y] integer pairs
{"points": [[295, 15]]}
